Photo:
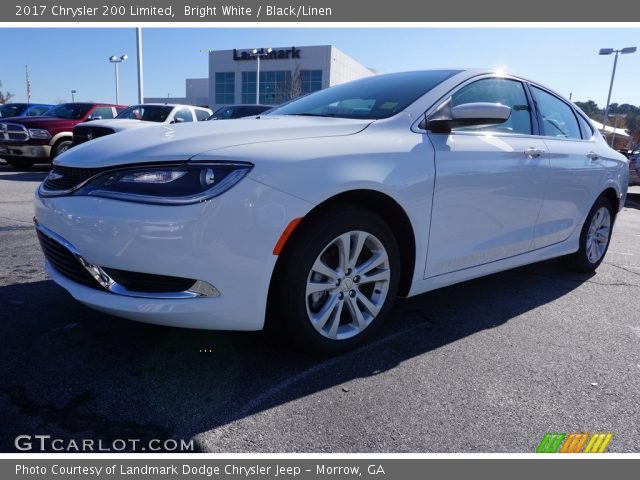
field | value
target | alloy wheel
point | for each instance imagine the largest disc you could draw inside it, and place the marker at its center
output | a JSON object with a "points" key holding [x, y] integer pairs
{"points": [[598, 234], [347, 285]]}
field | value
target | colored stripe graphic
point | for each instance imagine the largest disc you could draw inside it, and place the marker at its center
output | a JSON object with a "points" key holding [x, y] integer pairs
{"points": [[598, 442], [569, 443], [550, 443], [573, 442], [582, 441]]}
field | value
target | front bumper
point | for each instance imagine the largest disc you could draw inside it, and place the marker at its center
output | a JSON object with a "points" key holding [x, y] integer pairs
{"points": [[32, 152], [226, 242]]}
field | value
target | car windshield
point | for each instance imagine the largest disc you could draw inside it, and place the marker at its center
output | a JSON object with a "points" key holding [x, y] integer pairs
{"points": [[223, 113], [148, 113], [69, 111], [12, 109], [369, 98]]}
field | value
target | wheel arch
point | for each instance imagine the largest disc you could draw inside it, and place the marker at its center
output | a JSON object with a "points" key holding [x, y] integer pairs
{"points": [[611, 194], [60, 136], [377, 202], [57, 140]]}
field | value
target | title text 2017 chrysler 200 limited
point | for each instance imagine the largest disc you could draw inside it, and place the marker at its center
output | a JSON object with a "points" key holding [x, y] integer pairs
{"points": [[313, 218]]}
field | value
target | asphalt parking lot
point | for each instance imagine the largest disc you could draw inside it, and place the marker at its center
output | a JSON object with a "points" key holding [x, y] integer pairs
{"points": [[490, 365]]}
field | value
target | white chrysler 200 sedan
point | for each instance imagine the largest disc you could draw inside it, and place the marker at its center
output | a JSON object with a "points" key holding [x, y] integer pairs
{"points": [[313, 218]]}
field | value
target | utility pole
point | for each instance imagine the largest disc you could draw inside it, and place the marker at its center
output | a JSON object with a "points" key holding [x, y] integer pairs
{"points": [[26, 71], [140, 71]]}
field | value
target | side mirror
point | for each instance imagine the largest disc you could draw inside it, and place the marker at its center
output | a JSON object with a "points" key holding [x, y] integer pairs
{"points": [[177, 120], [446, 117], [97, 117]]}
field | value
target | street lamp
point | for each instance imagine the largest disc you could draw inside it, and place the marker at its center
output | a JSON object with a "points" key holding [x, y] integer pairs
{"points": [[615, 126], [258, 54], [73, 97], [609, 51], [116, 60]]}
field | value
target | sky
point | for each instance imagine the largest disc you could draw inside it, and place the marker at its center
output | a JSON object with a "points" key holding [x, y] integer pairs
{"points": [[62, 59]]}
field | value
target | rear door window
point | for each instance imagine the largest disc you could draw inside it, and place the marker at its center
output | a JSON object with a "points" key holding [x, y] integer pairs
{"points": [[558, 119], [585, 128]]}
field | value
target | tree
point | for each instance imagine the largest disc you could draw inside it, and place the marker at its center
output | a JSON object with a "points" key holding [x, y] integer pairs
{"points": [[5, 97], [631, 123], [590, 108]]}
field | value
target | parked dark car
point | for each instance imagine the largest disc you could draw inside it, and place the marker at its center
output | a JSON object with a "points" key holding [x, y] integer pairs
{"points": [[24, 109], [239, 111], [28, 140]]}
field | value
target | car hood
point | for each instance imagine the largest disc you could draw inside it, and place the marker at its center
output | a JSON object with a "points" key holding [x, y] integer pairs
{"points": [[42, 122], [119, 124], [183, 141]]}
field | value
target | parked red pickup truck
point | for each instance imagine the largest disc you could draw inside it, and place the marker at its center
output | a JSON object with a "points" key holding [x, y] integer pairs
{"points": [[25, 141]]}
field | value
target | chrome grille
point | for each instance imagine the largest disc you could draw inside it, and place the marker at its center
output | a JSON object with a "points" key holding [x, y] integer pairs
{"points": [[66, 178], [13, 132]]}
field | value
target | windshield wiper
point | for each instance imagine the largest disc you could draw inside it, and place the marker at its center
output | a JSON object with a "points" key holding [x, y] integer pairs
{"points": [[306, 114]]}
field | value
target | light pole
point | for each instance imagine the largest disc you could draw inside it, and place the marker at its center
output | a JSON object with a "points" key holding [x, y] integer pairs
{"points": [[609, 51], [615, 126], [116, 60], [139, 62], [258, 54], [73, 95]]}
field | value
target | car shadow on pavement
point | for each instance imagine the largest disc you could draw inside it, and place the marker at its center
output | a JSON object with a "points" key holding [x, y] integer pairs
{"points": [[633, 201], [24, 176], [73, 373], [35, 174]]}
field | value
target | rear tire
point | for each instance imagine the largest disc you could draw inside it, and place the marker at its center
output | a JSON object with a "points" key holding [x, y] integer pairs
{"points": [[337, 284], [594, 238]]}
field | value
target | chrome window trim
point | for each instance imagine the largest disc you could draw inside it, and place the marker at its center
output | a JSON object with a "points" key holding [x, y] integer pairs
{"points": [[416, 129]]}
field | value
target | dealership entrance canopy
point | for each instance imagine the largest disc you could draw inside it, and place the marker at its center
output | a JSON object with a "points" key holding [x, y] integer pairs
{"points": [[285, 73]]}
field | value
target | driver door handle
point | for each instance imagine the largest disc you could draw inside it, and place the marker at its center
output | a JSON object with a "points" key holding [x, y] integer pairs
{"points": [[533, 152]]}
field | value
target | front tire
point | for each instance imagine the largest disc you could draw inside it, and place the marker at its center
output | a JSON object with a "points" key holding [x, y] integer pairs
{"points": [[594, 238], [338, 283], [60, 147]]}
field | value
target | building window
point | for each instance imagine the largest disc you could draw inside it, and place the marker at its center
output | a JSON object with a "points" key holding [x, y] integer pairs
{"points": [[248, 87], [310, 81], [275, 87], [225, 88]]}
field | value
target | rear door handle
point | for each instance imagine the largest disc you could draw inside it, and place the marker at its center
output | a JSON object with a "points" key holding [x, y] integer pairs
{"points": [[593, 156], [533, 152]]}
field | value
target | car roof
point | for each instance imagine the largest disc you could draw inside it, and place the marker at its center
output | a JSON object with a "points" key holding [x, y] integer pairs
{"points": [[31, 104], [166, 105], [95, 104]]}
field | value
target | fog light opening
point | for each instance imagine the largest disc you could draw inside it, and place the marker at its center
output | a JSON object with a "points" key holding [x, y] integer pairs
{"points": [[204, 289]]}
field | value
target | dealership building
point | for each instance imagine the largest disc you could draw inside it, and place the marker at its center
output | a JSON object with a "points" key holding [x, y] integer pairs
{"points": [[285, 72]]}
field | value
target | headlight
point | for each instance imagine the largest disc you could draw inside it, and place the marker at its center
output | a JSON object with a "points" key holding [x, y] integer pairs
{"points": [[167, 185], [39, 134]]}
